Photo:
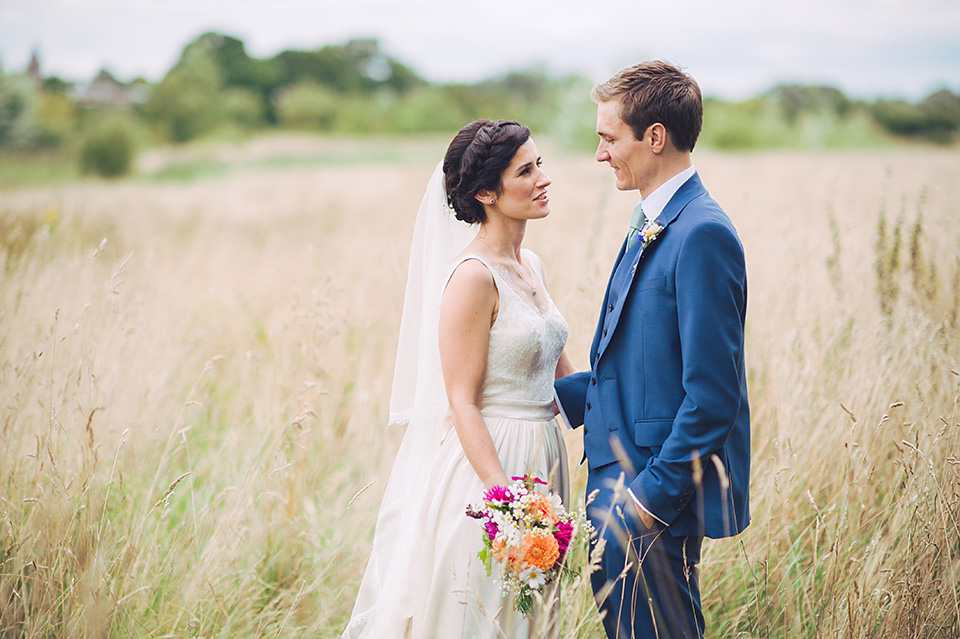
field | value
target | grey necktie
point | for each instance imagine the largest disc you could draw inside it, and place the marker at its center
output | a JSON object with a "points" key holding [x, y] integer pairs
{"points": [[637, 221]]}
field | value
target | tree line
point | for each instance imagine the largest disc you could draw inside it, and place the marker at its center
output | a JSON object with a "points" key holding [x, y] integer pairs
{"points": [[356, 88]]}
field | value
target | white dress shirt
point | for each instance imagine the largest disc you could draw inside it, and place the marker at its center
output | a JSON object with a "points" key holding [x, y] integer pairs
{"points": [[654, 203]]}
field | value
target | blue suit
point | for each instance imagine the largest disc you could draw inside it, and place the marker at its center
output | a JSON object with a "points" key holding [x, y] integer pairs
{"points": [[665, 404]]}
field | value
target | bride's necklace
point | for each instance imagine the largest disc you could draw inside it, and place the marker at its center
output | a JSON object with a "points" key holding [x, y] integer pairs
{"points": [[516, 268]]}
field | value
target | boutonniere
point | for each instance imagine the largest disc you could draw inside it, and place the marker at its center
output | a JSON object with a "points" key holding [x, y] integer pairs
{"points": [[646, 235]]}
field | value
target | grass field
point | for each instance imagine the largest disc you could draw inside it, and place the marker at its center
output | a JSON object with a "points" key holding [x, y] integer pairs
{"points": [[195, 366]]}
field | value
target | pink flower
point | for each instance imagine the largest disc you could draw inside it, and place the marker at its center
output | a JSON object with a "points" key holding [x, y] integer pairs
{"points": [[563, 536], [535, 480], [500, 494], [491, 528]]}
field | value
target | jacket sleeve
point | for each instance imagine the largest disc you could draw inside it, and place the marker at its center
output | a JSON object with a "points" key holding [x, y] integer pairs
{"points": [[711, 290], [572, 394]]}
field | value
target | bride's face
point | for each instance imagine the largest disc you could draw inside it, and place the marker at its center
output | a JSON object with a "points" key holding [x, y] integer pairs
{"points": [[523, 193]]}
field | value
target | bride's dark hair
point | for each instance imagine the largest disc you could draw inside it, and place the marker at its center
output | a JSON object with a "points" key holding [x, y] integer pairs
{"points": [[475, 160]]}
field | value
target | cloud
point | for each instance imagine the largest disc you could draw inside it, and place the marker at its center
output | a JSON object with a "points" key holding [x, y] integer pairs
{"points": [[734, 48]]}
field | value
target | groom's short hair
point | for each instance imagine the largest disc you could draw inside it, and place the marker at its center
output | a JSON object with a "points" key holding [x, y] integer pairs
{"points": [[653, 92]]}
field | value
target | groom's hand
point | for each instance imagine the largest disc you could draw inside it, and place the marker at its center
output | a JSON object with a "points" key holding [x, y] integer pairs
{"points": [[645, 517]]}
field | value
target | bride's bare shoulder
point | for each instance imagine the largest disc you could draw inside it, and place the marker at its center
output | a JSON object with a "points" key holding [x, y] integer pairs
{"points": [[470, 273]]}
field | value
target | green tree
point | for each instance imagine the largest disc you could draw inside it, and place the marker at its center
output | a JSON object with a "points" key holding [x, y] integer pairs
{"points": [[936, 118], [942, 112], [243, 107], [236, 69], [527, 96], [796, 100], [18, 98], [53, 84], [359, 66], [751, 124], [429, 109], [308, 106], [186, 103], [898, 116], [56, 118]]}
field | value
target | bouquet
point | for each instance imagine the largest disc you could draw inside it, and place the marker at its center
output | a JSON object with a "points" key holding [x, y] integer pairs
{"points": [[528, 533]]}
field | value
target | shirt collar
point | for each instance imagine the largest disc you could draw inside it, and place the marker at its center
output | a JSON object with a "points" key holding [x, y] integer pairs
{"points": [[654, 203]]}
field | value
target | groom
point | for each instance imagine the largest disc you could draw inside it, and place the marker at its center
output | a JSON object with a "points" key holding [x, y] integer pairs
{"points": [[664, 405]]}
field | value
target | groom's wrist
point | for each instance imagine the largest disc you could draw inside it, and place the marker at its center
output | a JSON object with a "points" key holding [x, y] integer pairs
{"points": [[646, 516]]}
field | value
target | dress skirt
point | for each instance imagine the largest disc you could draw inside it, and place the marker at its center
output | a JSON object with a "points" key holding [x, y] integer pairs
{"points": [[428, 580]]}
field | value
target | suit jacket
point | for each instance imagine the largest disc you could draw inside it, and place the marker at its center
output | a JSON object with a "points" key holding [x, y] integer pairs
{"points": [[666, 396]]}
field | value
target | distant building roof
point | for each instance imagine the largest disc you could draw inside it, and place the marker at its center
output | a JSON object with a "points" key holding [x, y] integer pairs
{"points": [[105, 90]]}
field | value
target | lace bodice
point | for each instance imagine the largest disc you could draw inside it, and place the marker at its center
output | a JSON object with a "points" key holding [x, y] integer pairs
{"points": [[525, 341]]}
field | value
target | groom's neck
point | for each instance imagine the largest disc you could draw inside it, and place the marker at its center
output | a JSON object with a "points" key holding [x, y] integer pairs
{"points": [[669, 164]]}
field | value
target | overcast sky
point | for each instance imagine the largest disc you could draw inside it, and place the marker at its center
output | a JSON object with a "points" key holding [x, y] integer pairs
{"points": [[735, 48]]}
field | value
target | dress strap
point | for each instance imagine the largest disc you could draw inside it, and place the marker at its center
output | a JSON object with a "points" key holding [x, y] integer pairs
{"points": [[470, 256]]}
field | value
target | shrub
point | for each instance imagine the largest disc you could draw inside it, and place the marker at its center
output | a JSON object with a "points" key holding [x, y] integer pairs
{"points": [[429, 109], [108, 151], [56, 119], [753, 124], [17, 107], [243, 108], [308, 106], [366, 114], [899, 117]]}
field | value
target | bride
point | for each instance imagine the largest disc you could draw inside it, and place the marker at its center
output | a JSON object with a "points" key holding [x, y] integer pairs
{"points": [[480, 345]]}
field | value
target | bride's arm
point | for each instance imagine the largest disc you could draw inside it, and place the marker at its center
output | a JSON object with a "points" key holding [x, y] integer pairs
{"points": [[466, 314], [564, 366]]}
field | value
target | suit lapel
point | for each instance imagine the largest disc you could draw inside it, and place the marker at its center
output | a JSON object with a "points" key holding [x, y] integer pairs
{"points": [[606, 300], [684, 195], [687, 192]]}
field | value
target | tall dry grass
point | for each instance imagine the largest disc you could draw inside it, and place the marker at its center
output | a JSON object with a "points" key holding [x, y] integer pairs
{"points": [[194, 380]]}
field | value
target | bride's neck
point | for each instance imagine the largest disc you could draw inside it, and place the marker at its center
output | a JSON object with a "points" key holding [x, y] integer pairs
{"points": [[503, 239]]}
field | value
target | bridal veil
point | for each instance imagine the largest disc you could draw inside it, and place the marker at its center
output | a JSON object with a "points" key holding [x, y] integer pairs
{"points": [[418, 401]]}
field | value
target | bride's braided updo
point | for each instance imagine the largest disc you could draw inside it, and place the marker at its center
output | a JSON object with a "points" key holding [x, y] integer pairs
{"points": [[475, 160]]}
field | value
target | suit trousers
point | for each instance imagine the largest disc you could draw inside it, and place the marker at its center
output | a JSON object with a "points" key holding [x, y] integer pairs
{"points": [[648, 582]]}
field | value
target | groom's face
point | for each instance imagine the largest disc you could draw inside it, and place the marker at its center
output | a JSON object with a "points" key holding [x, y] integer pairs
{"points": [[627, 156]]}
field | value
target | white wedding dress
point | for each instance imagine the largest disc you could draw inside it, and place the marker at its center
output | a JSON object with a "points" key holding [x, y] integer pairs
{"points": [[424, 579]]}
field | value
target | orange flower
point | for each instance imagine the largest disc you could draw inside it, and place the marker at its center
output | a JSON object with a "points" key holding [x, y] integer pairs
{"points": [[511, 558], [541, 551], [541, 508]]}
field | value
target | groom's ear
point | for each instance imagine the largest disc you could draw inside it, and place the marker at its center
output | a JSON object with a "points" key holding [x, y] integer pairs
{"points": [[658, 137]]}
